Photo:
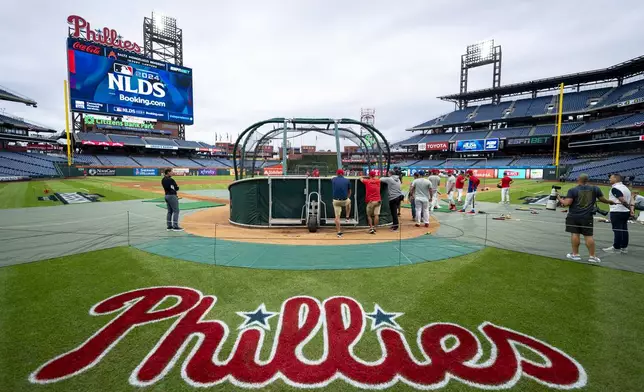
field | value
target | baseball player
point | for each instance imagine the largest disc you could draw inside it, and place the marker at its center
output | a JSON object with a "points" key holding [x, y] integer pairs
{"points": [[450, 187], [436, 181], [460, 183], [472, 185]]}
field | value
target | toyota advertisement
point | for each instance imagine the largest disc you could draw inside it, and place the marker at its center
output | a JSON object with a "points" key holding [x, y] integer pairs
{"points": [[111, 81], [437, 146], [477, 145]]}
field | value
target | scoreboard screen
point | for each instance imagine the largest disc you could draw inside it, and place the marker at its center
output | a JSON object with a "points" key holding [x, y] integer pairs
{"points": [[104, 80]]}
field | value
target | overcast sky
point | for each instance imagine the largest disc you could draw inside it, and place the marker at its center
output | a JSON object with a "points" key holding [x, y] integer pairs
{"points": [[258, 59]]}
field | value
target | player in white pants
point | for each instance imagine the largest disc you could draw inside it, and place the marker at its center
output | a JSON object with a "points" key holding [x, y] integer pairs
{"points": [[505, 188], [472, 186], [449, 189], [421, 188], [436, 181], [460, 183]]}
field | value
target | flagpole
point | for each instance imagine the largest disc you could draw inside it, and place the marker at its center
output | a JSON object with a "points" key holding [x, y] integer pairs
{"points": [[69, 153]]}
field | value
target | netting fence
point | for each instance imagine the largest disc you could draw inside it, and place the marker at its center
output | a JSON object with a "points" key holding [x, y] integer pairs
{"points": [[31, 235]]}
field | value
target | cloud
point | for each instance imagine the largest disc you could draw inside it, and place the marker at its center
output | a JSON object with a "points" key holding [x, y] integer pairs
{"points": [[254, 60]]}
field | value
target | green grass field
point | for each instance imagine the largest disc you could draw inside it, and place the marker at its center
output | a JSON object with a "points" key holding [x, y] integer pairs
{"points": [[25, 194], [595, 315], [518, 190]]}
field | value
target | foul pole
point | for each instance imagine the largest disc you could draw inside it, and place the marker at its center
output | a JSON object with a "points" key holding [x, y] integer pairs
{"points": [[559, 119], [69, 144]]}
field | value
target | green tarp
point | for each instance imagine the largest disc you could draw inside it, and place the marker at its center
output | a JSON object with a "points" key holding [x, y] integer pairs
{"points": [[250, 199]]}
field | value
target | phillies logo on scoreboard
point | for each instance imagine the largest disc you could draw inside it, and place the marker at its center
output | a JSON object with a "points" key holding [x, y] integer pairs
{"points": [[106, 36], [445, 353]]}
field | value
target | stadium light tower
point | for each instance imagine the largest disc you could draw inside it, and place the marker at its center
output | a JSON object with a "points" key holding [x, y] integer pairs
{"points": [[367, 116], [163, 40], [478, 55]]}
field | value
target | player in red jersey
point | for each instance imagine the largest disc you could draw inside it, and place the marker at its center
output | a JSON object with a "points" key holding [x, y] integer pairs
{"points": [[505, 188], [373, 200], [460, 183], [472, 186]]}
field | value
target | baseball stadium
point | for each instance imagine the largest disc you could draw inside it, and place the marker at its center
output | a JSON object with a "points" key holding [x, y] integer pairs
{"points": [[133, 258]]}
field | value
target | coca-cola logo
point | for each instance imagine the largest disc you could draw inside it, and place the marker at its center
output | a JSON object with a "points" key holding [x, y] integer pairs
{"points": [[445, 353], [105, 36], [86, 48]]}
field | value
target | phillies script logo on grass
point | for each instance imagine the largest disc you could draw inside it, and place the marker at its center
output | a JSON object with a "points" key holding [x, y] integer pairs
{"points": [[448, 351], [106, 36]]}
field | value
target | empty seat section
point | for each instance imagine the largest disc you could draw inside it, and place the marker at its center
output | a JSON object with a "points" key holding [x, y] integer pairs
{"points": [[183, 162], [116, 160], [491, 111], [510, 132], [152, 162]]}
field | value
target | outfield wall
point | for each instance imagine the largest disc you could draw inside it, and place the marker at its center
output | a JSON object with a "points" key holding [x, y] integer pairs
{"points": [[113, 171]]}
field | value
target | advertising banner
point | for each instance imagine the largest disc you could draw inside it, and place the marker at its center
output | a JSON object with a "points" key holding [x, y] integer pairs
{"points": [[550, 174], [536, 174], [161, 147], [477, 145], [273, 170], [422, 146], [180, 171], [512, 172], [207, 172], [146, 172], [529, 141], [101, 172], [107, 144], [437, 146], [484, 173], [113, 81]]}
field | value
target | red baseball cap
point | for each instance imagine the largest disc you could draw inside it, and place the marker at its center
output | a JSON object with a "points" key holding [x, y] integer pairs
{"points": [[470, 172], [372, 173], [340, 172]]}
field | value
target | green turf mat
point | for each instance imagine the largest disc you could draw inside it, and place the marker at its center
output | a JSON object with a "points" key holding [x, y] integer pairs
{"points": [[310, 257], [194, 205], [157, 200]]}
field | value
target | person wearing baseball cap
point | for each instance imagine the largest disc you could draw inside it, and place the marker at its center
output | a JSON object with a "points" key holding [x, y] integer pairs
{"points": [[341, 198], [504, 184], [395, 196], [449, 189], [373, 199], [421, 188], [410, 197], [472, 185], [460, 184], [436, 181]]}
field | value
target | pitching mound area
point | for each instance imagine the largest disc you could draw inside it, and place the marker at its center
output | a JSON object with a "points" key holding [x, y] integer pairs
{"points": [[214, 223]]}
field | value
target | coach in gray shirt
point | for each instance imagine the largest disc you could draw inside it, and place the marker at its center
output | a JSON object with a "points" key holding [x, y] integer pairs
{"points": [[395, 196]]}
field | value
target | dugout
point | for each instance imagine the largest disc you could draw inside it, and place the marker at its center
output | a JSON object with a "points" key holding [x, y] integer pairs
{"points": [[281, 201]]}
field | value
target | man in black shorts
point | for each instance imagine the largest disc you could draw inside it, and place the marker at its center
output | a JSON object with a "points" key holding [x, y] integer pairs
{"points": [[581, 201]]}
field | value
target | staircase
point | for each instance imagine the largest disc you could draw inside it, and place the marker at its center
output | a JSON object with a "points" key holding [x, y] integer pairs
{"points": [[510, 109], [606, 94]]}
